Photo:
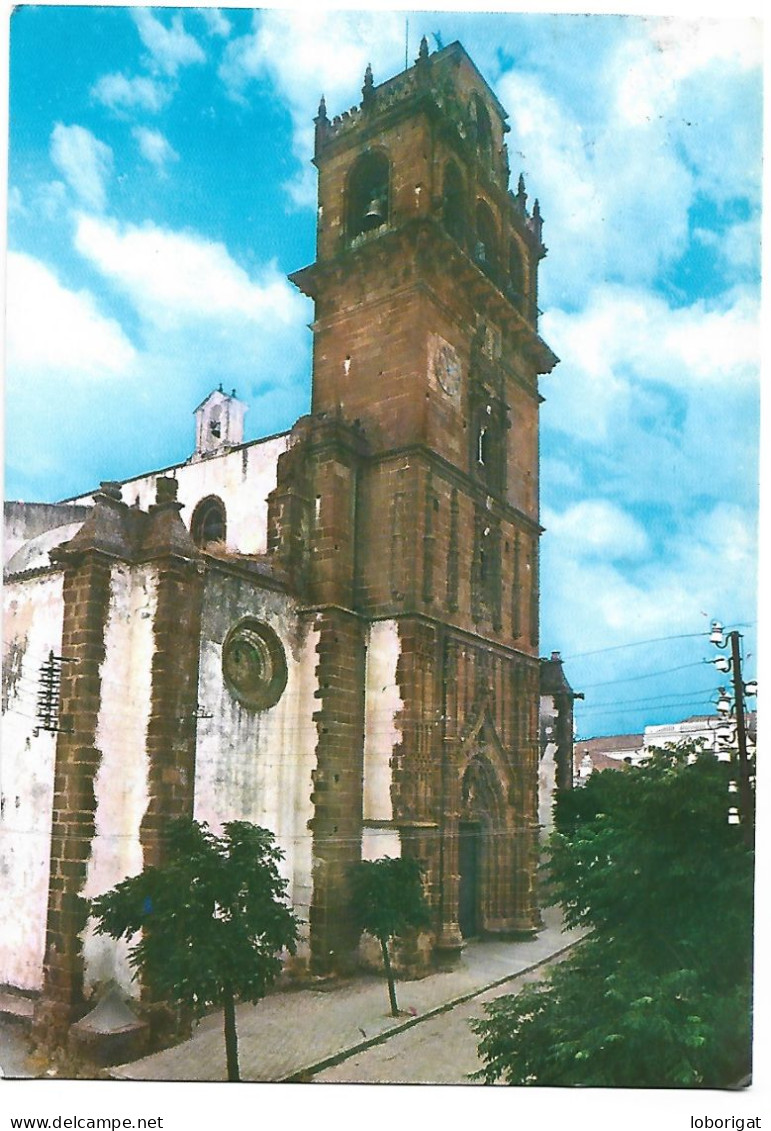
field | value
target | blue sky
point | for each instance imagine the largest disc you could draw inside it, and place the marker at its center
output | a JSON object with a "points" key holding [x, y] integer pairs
{"points": [[160, 189]]}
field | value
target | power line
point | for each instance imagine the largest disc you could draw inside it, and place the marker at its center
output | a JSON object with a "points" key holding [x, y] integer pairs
{"points": [[640, 710], [652, 640], [635, 644], [653, 705], [664, 695], [647, 675]]}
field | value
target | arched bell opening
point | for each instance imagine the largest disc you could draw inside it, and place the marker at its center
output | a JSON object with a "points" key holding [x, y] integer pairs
{"points": [[368, 194], [517, 281], [482, 129], [454, 203]]}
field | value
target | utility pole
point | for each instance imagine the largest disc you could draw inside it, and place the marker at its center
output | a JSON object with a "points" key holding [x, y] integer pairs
{"points": [[745, 792], [722, 640]]}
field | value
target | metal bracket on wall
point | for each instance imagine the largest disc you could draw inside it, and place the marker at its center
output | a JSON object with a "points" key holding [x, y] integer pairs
{"points": [[48, 698]]}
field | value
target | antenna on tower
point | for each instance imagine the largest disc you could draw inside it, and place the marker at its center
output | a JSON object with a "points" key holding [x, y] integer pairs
{"points": [[406, 44]]}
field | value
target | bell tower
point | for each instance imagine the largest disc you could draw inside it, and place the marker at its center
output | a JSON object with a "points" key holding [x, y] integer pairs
{"points": [[425, 339], [425, 281]]}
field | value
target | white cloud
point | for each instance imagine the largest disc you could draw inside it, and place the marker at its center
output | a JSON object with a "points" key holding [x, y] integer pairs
{"points": [[626, 339], [696, 85], [199, 319], [119, 92], [654, 64], [600, 189], [16, 205], [306, 54], [618, 176], [170, 47], [154, 147], [596, 527], [203, 318], [711, 347], [656, 408], [53, 199], [53, 330], [216, 23], [592, 602], [741, 245], [172, 277], [84, 162]]}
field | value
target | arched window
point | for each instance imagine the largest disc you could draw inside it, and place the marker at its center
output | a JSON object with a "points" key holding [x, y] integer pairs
{"points": [[517, 277], [488, 455], [367, 206], [484, 446], [485, 556], [453, 202], [484, 132], [209, 523], [486, 571], [486, 250]]}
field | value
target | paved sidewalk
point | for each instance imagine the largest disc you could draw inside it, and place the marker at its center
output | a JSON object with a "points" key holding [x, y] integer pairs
{"points": [[13, 1051], [291, 1035]]}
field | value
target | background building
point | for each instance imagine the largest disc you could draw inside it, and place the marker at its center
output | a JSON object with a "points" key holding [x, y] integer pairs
{"points": [[613, 752], [557, 729]]}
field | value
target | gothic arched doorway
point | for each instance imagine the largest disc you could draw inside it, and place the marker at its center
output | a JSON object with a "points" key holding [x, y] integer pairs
{"points": [[480, 815]]}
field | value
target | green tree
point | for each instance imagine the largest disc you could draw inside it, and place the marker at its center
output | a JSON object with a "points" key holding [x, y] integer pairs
{"points": [[659, 992], [387, 900], [212, 918]]}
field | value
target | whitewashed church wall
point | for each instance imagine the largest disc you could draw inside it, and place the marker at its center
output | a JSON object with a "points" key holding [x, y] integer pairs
{"points": [[242, 479], [547, 767], [378, 842], [383, 703], [547, 776], [121, 783], [32, 628], [257, 765]]}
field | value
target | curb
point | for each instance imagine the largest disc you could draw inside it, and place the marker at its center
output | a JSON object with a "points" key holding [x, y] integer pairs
{"points": [[300, 1076]]}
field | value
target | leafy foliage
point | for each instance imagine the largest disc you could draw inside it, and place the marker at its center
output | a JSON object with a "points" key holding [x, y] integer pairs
{"points": [[387, 900], [212, 917], [659, 993], [387, 896]]}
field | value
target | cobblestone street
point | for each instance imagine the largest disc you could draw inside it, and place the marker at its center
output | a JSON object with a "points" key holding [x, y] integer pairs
{"points": [[442, 1050]]}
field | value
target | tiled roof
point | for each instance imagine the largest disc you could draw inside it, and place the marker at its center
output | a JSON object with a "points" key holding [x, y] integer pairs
{"points": [[609, 743]]}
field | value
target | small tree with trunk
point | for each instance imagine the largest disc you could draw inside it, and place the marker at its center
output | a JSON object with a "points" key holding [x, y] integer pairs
{"points": [[211, 920], [387, 900]]}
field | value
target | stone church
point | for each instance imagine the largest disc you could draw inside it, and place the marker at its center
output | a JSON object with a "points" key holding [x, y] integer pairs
{"points": [[332, 632]]}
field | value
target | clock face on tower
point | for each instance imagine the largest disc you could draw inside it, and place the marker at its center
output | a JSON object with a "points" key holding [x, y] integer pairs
{"points": [[446, 365]]}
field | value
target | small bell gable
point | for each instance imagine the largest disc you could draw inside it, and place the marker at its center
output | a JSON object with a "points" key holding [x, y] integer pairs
{"points": [[219, 424]]}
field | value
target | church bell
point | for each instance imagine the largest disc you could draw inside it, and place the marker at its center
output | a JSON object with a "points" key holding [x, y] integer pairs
{"points": [[373, 217]]}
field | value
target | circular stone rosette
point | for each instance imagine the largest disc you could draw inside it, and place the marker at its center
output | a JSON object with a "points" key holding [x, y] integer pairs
{"points": [[254, 664]]}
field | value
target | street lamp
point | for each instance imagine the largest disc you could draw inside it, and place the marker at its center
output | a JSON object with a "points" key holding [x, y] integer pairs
{"points": [[735, 713]]}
